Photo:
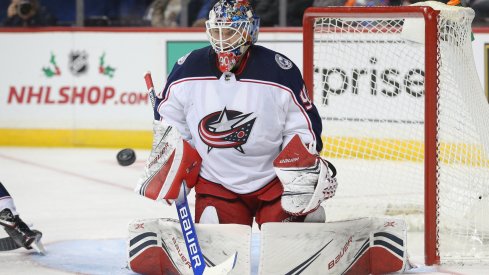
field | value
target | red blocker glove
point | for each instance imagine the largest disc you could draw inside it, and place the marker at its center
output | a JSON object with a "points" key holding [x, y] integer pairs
{"points": [[307, 178], [172, 160]]}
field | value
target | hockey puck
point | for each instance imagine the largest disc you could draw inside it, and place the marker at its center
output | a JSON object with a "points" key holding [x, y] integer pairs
{"points": [[126, 157]]}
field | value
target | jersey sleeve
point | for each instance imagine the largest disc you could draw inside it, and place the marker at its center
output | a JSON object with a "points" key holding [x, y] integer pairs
{"points": [[303, 119], [302, 116]]}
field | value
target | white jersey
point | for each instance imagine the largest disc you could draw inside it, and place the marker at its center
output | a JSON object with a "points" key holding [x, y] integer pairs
{"points": [[239, 122]]}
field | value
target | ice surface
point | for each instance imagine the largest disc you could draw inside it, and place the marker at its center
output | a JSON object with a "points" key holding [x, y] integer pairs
{"points": [[83, 201]]}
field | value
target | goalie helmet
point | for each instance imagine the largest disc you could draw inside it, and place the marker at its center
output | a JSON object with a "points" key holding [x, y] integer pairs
{"points": [[232, 27]]}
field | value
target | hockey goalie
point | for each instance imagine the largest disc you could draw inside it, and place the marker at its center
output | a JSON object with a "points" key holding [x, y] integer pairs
{"points": [[362, 246], [234, 123]]}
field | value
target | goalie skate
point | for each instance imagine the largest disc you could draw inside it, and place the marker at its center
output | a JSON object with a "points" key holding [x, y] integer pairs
{"points": [[37, 244]]}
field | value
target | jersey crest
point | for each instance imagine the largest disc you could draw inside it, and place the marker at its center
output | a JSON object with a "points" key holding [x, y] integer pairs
{"points": [[283, 62], [226, 129]]}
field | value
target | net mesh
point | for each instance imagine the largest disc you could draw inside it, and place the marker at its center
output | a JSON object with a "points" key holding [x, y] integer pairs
{"points": [[369, 88]]}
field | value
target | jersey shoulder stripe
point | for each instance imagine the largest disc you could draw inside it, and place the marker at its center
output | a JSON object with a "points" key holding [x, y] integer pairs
{"points": [[267, 65], [194, 64]]}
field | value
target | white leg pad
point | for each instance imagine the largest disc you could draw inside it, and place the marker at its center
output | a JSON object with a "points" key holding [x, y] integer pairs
{"points": [[361, 246], [159, 243], [209, 216]]}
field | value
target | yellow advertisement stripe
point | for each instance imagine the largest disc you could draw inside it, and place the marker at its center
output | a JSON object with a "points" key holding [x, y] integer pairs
{"points": [[401, 150], [76, 138], [334, 147], [372, 149]]}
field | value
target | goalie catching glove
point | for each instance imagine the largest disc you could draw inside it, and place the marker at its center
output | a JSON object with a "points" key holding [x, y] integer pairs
{"points": [[307, 178], [172, 161]]}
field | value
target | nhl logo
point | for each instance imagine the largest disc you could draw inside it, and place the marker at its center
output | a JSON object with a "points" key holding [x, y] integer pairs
{"points": [[78, 62], [283, 62]]}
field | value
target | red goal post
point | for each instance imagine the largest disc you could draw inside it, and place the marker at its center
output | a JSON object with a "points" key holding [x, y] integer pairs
{"points": [[325, 27]]}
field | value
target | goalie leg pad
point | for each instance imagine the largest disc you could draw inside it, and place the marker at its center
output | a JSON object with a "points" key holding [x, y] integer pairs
{"points": [[157, 247], [152, 261], [209, 216], [172, 160], [361, 246], [150, 252]]}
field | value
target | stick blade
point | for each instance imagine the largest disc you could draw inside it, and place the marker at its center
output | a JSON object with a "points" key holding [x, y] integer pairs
{"points": [[7, 244], [224, 268]]}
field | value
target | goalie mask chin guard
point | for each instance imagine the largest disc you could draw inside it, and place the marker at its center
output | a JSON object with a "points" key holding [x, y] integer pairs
{"points": [[232, 27]]}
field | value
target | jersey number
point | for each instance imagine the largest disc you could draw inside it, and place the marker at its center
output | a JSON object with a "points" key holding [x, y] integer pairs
{"points": [[305, 99]]}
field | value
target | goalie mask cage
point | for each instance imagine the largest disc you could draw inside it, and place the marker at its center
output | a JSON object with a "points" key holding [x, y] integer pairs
{"points": [[405, 121]]}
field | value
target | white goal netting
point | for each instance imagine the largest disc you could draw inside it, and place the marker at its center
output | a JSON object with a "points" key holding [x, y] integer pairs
{"points": [[369, 87]]}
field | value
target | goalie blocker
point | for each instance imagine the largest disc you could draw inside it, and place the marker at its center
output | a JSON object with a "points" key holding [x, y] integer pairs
{"points": [[172, 161]]}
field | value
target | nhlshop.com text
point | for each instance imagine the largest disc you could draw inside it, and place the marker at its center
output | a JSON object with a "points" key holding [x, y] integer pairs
{"points": [[75, 95]]}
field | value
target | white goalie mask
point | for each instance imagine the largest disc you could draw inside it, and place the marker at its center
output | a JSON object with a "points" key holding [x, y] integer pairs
{"points": [[232, 27]]}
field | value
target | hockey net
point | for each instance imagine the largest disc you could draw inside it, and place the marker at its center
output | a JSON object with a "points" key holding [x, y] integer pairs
{"points": [[405, 121]]}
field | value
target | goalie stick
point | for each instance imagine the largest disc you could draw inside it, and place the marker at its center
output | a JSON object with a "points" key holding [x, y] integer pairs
{"points": [[7, 244], [184, 216]]}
